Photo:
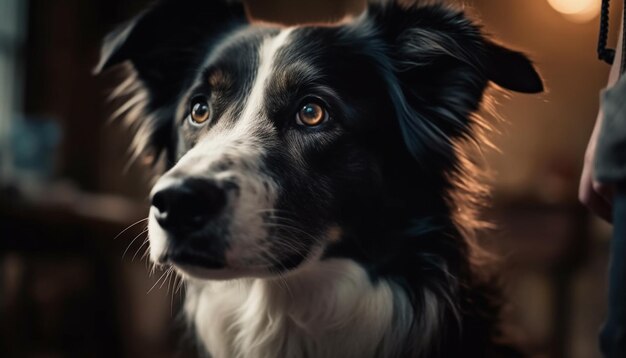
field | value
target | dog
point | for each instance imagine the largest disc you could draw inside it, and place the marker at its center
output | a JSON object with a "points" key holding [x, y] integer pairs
{"points": [[317, 198]]}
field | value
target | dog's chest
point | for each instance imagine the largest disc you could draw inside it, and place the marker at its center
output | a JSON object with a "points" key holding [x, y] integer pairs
{"points": [[329, 309]]}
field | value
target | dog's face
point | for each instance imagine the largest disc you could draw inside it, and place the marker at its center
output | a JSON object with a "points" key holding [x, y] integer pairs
{"points": [[271, 139], [281, 141]]}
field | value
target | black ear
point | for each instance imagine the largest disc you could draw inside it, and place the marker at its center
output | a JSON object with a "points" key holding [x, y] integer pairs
{"points": [[512, 70], [165, 45], [442, 63]]}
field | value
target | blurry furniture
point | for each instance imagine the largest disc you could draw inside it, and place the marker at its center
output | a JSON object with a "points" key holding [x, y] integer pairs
{"points": [[544, 246], [60, 285]]}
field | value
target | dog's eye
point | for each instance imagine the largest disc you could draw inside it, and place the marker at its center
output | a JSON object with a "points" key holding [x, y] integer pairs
{"points": [[200, 111], [311, 114]]}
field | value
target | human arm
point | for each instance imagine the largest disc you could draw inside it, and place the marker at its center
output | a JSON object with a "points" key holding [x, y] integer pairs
{"points": [[595, 195]]}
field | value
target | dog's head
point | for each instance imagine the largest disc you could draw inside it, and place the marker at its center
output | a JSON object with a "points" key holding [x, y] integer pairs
{"points": [[282, 143]]}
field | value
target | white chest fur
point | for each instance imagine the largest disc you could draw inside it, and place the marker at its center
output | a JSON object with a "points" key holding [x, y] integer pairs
{"points": [[327, 309]]}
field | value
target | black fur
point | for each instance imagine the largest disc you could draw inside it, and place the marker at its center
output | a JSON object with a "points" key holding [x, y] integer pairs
{"points": [[403, 85]]}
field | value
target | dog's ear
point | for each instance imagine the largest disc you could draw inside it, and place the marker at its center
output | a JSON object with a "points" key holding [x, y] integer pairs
{"points": [[165, 45], [511, 69], [442, 63]]}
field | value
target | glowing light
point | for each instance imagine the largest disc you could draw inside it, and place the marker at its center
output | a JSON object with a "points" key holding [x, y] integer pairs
{"points": [[577, 10]]}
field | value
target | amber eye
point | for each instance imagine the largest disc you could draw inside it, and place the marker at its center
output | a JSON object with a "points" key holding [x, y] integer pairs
{"points": [[200, 111], [311, 114]]}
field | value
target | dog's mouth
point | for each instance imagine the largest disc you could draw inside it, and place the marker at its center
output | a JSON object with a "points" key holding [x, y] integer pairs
{"points": [[186, 258], [208, 258], [204, 267], [199, 265]]}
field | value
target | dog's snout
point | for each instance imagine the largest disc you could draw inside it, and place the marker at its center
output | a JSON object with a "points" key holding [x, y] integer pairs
{"points": [[188, 205]]}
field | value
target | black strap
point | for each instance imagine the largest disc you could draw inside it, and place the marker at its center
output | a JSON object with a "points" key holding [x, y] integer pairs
{"points": [[605, 54]]}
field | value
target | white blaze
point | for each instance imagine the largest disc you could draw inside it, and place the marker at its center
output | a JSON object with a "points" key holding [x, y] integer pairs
{"points": [[240, 143], [267, 56]]}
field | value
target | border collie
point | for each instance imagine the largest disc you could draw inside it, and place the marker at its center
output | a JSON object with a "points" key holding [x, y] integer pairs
{"points": [[318, 200]]}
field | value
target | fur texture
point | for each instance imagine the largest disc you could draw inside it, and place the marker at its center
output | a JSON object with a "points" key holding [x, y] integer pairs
{"points": [[352, 237]]}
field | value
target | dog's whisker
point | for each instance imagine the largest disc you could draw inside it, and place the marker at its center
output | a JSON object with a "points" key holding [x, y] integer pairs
{"points": [[290, 239], [145, 254], [168, 273], [129, 227], [275, 211], [157, 281], [133, 241], [274, 261], [181, 282], [176, 285], [170, 285], [291, 247], [145, 241], [291, 228], [153, 267]]}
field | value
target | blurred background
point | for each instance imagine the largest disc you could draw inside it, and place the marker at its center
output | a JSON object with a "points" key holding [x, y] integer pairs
{"points": [[73, 283]]}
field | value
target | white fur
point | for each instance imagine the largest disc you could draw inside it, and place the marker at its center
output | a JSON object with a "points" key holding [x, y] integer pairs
{"points": [[243, 142], [267, 55], [326, 309]]}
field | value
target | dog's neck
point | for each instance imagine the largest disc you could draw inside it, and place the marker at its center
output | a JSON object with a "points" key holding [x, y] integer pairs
{"points": [[327, 309]]}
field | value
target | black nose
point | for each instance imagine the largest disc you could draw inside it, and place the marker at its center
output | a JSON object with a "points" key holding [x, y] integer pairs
{"points": [[188, 205]]}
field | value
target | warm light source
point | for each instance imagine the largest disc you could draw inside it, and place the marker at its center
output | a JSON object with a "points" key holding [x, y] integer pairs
{"points": [[577, 10]]}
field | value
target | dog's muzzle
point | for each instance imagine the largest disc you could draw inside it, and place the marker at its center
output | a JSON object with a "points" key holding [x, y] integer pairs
{"points": [[188, 211]]}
